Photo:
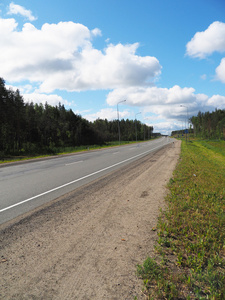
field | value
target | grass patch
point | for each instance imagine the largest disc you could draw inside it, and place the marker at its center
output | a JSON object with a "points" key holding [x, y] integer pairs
{"points": [[190, 259]]}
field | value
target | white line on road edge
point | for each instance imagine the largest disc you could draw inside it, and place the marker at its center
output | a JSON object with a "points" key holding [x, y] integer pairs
{"points": [[79, 179]]}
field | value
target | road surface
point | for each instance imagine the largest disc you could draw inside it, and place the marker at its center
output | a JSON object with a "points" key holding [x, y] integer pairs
{"points": [[26, 186], [87, 243]]}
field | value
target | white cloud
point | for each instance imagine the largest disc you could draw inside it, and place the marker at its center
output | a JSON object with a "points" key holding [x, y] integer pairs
{"points": [[163, 127], [166, 103], [43, 98], [61, 56], [217, 101], [220, 71], [35, 97], [141, 96], [15, 9], [203, 77], [7, 26], [117, 66], [107, 113], [206, 42], [24, 89], [96, 32], [36, 55]]}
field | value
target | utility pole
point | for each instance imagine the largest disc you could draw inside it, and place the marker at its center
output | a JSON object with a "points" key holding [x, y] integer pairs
{"points": [[119, 118], [136, 123]]}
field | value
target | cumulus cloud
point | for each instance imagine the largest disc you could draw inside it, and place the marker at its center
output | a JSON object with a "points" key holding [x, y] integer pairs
{"points": [[164, 127], [15, 9], [30, 95], [141, 96], [107, 113], [43, 98], [164, 102], [217, 101], [206, 42], [220, 71], [61, 56], [35, 55]]}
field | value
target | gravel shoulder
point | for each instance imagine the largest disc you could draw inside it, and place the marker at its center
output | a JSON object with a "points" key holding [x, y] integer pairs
{"points": [[86, 244]]}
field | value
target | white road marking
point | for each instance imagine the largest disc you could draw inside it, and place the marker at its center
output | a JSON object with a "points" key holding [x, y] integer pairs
{"points": [[79, 179], [75, 162]]}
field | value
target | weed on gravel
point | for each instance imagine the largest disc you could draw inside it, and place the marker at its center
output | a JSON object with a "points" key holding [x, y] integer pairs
{"points": [[190, 256]]}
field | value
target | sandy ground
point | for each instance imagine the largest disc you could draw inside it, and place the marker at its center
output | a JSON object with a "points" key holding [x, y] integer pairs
{"points": [[86, 245]]}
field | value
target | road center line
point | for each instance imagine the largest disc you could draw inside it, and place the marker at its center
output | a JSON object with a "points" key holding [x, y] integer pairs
{"points": [[79, 179], [75, 162]]}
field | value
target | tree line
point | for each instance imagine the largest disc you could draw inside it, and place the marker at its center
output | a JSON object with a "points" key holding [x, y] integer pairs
{"points": [[208, 125], [36, 128]]}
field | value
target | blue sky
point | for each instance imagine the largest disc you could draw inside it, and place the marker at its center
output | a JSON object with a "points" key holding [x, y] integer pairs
{"points": [[90, 55]]}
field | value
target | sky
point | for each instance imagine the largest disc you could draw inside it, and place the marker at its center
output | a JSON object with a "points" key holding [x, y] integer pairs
{"points": [[158, 61]]}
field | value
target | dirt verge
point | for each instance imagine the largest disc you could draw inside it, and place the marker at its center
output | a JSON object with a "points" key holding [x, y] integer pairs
{"points": [[86, 245]]}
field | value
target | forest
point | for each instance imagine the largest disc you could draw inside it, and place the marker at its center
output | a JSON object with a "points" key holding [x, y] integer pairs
{"points": [[28, 128], [208, 125]]}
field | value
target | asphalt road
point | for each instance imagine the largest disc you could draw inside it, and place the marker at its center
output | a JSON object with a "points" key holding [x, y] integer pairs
{"points": [[28, 185]]}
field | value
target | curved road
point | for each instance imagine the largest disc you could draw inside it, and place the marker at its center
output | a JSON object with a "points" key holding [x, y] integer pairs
{"points": [[28, 185]]}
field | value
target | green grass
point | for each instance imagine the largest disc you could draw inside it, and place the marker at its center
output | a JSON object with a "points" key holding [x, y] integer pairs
{"points": [[190, 259]]}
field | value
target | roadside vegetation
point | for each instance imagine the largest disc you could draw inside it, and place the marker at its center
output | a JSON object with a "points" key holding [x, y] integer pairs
{"points": [[61, 151], [190, 252]]}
